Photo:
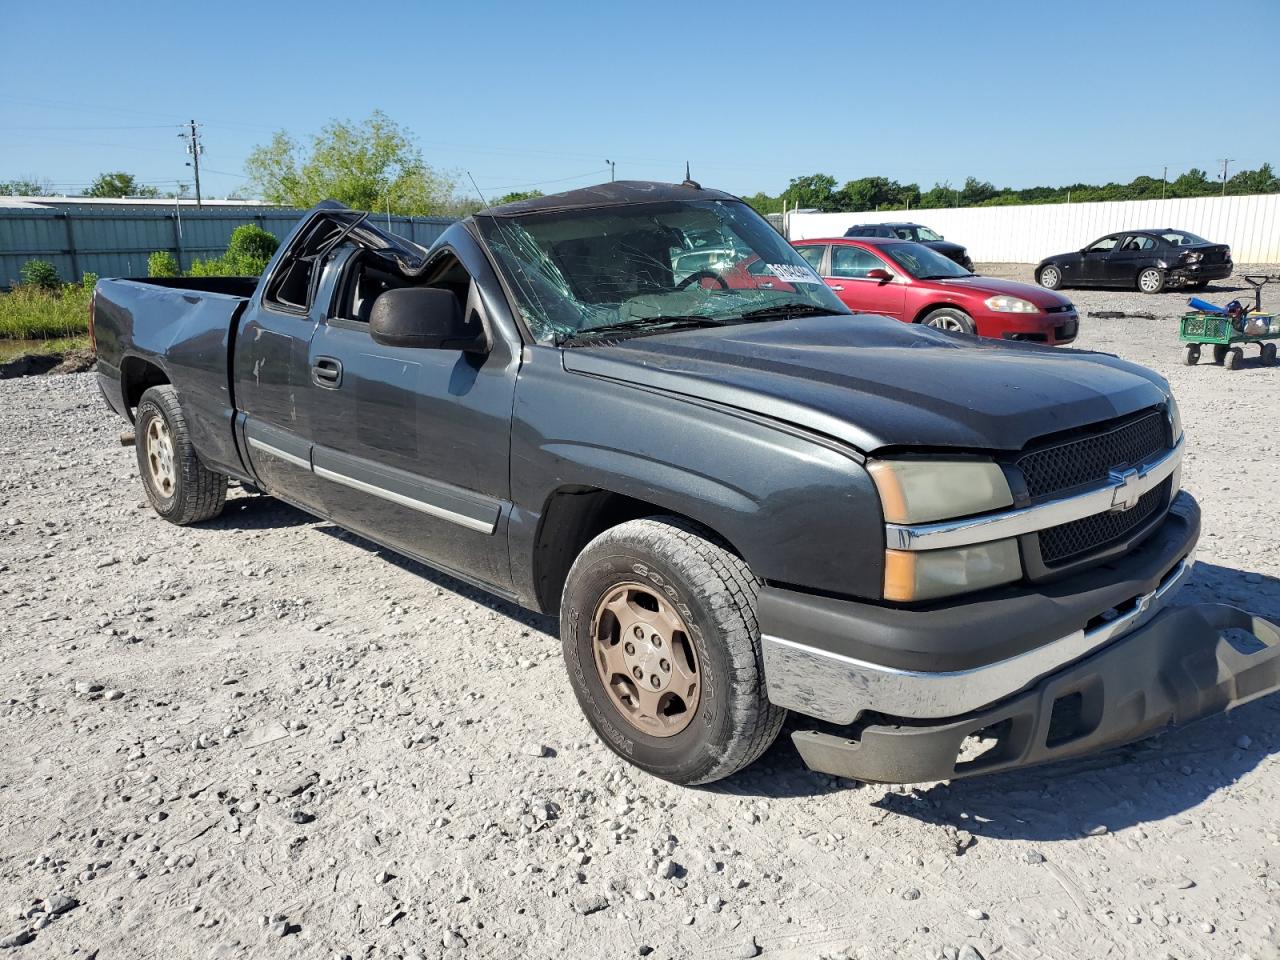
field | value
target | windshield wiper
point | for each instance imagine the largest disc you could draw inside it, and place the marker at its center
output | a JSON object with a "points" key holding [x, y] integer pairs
{"points": [[785, 311], [640, 325]]}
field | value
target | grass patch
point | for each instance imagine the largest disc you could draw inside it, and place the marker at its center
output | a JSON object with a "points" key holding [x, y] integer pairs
{"points": [[12, 349], [28, 312]]}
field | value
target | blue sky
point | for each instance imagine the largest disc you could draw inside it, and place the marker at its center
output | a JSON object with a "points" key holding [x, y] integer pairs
{"points": [[526, 94]]}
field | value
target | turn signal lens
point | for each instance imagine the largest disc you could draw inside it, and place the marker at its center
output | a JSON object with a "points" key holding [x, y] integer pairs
{"points": [[930, 574], [921, 491]]}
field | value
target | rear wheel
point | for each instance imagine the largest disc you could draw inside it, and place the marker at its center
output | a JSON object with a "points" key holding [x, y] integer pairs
{"points": [[1050, 277], [179, 486], [949, 318], [1151, 280], [1192, 354], [1219, 353], [1268, 353], [1234, 359], [662, 646]]}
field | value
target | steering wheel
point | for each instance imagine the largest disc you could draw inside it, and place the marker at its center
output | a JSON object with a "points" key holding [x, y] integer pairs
{"points": [[702, 275]]}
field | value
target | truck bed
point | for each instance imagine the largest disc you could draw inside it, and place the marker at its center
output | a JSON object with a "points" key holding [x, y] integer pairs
{"points": [[185, 327]]}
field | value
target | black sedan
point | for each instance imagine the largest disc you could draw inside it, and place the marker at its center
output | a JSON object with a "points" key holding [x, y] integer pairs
{"points": [[1147, 259], [916, 233]]}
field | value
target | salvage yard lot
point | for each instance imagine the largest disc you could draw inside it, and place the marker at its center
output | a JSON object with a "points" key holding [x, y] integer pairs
{"points": [[264, 737]]}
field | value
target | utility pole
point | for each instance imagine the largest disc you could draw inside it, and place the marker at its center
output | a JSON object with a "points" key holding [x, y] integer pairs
{"points": [[1224, 163], [612, 169], [195, 148]]}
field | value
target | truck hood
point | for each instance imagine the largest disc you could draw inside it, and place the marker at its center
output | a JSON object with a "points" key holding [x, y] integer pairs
{"points": [[946, 247], [873, 382]]}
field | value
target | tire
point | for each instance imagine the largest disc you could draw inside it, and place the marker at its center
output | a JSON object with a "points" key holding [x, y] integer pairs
{"points": [[1268, 354], [1219, 353], [949, 318], [1234, 359], [1049, 277], [179, 486], [1191, 356], [661, 566], [1151, 280]]}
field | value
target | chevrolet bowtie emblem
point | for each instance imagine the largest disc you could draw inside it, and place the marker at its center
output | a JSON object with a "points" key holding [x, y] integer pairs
{"points": [[1125, 494]]}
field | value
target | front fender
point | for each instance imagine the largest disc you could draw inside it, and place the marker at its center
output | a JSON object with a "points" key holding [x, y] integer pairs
{"points": [[800, 509]]}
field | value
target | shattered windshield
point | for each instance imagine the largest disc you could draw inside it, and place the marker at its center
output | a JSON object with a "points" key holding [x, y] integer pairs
{"points": [[616, 271]]}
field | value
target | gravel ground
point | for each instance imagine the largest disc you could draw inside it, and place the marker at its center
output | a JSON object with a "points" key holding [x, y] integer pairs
{"points": [[264, 737]]}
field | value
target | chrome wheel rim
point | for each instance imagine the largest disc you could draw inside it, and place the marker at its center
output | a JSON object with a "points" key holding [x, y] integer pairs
{"points": [[160, 457], [947, 322], [646, 659], [1049, 277], [1149, 280]]}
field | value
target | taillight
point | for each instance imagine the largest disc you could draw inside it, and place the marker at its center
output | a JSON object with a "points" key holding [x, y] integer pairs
{"points": [[93, 339]]}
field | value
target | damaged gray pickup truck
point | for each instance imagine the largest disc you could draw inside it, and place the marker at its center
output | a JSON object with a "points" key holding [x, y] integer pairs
{"points": [[635, 406]]}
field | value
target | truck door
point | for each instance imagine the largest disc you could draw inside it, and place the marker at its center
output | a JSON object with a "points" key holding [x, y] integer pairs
{"points": [[413, 445], [272, 371]]}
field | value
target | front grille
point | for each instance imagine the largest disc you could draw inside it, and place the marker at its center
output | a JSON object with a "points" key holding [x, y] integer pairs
{"points": [[1091, 459], [1068, 541]]}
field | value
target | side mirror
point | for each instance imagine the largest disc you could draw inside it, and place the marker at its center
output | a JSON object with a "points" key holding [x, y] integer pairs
{"points": [[425, 317], [879, 273]]}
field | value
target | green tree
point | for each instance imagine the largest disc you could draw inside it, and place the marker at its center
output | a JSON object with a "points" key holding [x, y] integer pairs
{"points": [[27, 186], [41, 274], [1262, 180], [247, 254], [372, 165], [817, 190], [940, 195], [162, 263], [119, 184], [1194, 183], [518, 195], [763, 204]]}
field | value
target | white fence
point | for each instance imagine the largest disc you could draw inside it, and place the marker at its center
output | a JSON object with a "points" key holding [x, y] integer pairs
{"points": [[1028, 234]]}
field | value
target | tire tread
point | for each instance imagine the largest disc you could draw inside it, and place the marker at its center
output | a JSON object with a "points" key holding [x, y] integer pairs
{"points": [[201, 492]]}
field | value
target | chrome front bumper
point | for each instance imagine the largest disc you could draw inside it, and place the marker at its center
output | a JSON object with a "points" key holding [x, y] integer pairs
{"points": [[838, 689]]}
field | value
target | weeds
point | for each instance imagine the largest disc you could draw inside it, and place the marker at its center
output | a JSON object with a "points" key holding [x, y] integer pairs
{"points": [[28, 312]]}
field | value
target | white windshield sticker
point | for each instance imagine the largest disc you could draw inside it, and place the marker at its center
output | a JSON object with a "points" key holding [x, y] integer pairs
{"points": [[793, 274]]}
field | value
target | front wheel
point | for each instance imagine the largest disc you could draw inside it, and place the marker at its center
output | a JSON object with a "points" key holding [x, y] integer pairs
{"points": [[1191, 356], [1268, 354], [1050, 278], [949, 318], [662, 646], [1151, 280], [179, 486]]}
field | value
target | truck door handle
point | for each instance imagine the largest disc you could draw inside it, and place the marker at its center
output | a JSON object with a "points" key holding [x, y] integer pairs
{"points": [[326, 372]]}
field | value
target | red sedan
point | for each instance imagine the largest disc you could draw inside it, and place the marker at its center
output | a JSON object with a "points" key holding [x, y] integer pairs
{"points": [[910, 282]]}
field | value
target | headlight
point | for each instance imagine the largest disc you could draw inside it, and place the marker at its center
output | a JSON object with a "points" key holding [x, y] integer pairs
{"points": [[1175, 419], [930, 574], [921, 491], [1003, 304]]}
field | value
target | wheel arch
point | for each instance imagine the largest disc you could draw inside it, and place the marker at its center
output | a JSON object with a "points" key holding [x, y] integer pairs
{"points": [[137, 375], [941, 305], [573, 516]]}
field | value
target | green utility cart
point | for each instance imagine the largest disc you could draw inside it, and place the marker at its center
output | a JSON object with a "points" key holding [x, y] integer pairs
{"points": [[1201, 329], [1210, 329]]}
